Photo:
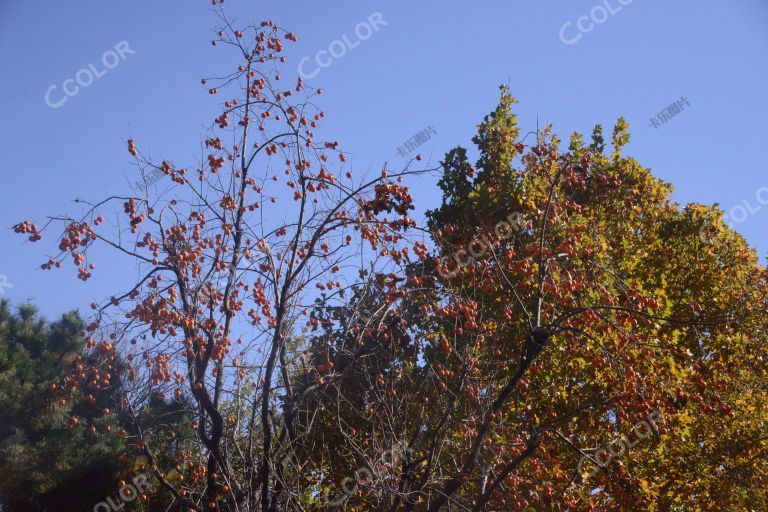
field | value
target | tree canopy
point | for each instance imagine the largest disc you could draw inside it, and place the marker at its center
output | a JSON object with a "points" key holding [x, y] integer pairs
{"points": [[568, 301], [559, 335], [47, 465]]}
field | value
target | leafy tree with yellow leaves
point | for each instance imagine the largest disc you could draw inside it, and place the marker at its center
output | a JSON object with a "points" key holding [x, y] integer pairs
{"points": [[577, 341]]}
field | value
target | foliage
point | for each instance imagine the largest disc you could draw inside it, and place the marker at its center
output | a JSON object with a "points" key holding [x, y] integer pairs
{"points": [[47, 465], [528, 349], [335, 354], [226, 279]]}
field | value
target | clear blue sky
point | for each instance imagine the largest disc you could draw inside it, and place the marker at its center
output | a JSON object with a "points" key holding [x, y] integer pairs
{"points": [[434, 63]]}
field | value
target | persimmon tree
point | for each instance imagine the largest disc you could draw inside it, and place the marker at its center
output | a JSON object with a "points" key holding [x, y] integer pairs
{"points": [[333, 354], [232, 251], [567, 300]]}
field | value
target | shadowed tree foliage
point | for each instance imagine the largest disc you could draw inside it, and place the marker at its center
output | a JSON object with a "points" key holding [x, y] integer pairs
{"points": [[47, 466]]}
